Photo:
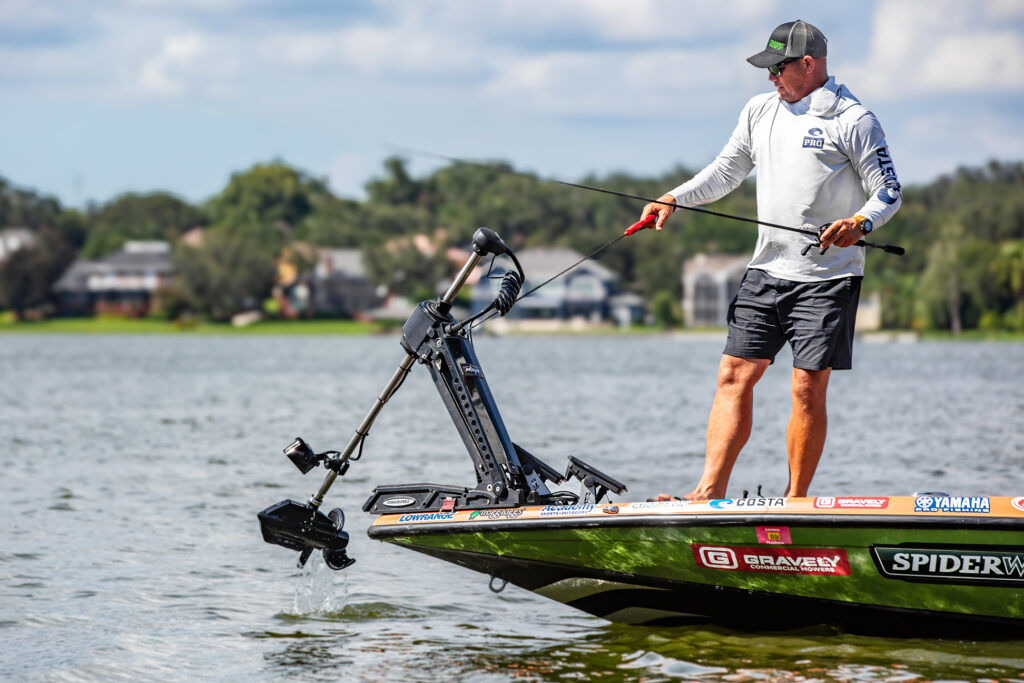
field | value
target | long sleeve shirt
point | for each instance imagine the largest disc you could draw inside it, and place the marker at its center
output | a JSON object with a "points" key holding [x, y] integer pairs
{"points": [[819, 159]]}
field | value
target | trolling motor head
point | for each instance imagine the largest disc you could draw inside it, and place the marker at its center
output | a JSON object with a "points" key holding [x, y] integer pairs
{"points": [[302, 527]]}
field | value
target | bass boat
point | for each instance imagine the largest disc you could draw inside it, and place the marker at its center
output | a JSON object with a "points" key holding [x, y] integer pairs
{"points": [[929, 564]]}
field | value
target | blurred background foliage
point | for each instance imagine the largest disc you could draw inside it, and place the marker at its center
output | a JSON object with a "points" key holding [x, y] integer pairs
{"points": [[964, 235]]}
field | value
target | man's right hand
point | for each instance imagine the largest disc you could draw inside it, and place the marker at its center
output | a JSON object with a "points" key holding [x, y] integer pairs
{"points": [[662, 211]]}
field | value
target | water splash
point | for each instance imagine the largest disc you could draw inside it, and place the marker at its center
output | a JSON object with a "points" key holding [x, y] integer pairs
{"points": [[320, 590]]}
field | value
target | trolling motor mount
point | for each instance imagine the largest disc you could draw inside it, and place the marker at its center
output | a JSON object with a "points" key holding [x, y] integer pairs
{"points": [[506, 474]]}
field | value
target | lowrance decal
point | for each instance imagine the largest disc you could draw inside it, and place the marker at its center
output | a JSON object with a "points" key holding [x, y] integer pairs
{"points": [[951, 504], [510, 513], [820, 561], [426, 517], [851, 503], [565, 510], [951, 565]]}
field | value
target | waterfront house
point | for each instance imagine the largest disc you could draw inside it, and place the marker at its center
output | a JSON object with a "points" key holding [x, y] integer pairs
{"points": [[582, 294], [123, 283]]}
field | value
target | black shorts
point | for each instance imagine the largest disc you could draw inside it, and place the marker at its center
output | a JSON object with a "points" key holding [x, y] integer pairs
{"points": [[816, 318]]}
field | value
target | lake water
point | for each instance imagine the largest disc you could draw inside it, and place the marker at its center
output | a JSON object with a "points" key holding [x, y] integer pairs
{"points": [[133, 469]]}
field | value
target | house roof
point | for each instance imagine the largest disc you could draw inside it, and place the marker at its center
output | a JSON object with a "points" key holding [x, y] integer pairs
{"points": [[345, 261], [544, 262], [138, 265]]}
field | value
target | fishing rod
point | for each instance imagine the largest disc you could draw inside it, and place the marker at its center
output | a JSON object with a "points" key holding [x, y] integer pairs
{"points": [[815, 234]]}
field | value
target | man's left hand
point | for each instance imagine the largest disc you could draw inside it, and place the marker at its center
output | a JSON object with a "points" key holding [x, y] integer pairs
{"points": [[845, 232]]}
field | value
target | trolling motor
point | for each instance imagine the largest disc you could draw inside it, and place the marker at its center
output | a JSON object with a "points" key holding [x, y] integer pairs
{"points": [[507, 474]]}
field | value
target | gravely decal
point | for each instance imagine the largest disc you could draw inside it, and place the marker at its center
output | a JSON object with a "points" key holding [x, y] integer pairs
{"points": [[847, 502], [946, 565], [821, 561]]}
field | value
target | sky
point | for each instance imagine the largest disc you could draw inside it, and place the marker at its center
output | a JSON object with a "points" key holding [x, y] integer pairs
{"points": [[102, 97]]}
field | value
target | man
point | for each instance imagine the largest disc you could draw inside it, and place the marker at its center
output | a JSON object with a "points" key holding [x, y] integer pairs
{"points": [[821, 159]]}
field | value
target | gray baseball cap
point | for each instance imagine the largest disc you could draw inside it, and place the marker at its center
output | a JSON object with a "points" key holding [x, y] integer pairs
{"points": [[792, 39]]}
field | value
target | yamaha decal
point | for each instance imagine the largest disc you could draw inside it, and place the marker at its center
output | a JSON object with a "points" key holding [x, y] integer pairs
{"points": [[951, 504]]}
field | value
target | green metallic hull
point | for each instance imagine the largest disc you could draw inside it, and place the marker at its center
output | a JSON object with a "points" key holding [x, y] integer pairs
{"points": [[874, 573]]}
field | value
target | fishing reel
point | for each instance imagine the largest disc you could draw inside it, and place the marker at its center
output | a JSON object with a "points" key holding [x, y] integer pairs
{"points": [[302, 527]]}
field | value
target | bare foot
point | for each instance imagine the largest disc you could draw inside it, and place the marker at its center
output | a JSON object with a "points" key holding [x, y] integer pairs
{"points": [[692, 497]]}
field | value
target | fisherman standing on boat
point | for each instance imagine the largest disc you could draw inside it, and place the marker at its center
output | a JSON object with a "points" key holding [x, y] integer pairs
{"points": [[821, 160]]}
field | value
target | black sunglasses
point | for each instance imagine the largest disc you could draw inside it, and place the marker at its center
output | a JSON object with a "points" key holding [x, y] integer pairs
{"points": [[776, 69]]}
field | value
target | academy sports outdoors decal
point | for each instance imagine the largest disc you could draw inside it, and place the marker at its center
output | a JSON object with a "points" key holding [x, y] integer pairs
{"points": [[846, 503], [510, 513], [951, 504], [820, 561], [565, 510], [946, 565]]}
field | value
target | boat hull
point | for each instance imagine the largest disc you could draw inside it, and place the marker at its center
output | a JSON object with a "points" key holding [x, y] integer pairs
{"points": [[894, 566]]}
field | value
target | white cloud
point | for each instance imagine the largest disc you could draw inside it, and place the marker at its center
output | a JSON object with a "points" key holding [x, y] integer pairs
{"points": [[187, 62], [937, 47]]}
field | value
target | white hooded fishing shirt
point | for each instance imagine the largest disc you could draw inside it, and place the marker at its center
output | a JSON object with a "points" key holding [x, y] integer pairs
{"points": [[818, 160]]}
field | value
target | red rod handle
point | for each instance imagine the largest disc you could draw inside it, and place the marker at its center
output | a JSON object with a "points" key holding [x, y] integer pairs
{"points": [[641, 224]]}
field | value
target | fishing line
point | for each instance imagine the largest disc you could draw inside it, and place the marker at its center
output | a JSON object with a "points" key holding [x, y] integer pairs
{"points": [[595, 254], [888, 248]]}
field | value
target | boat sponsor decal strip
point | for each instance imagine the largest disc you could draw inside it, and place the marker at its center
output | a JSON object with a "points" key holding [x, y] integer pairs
{"points": [[502, 513], [951, 565], [427, 517], [951, 504], [565, 510], [774, 535], [851, 502], [820, 561]]}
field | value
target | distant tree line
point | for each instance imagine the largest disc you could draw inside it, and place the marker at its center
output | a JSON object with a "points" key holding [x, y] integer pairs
{"points": [[964, 235]]}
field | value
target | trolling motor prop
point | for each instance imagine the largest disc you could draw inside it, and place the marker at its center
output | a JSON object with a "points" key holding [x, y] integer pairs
{"points": [[507, 474]]}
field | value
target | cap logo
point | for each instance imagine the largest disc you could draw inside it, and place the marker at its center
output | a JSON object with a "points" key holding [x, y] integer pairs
{"points": [[776, 45]]}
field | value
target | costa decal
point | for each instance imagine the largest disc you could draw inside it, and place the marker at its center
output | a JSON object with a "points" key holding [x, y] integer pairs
{"points": [[1018, 503], [951, 504], [846, 503], [565, 510], [512, 513], [951, 565], [816, 143], [426, 517], [724, 503], [774, 535], [398, 502], [820, 561]]}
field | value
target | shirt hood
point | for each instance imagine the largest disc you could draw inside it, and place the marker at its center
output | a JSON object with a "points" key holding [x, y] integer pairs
{"points": [[831, 99]]}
